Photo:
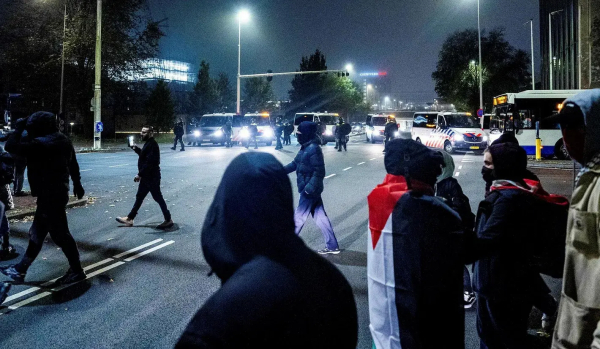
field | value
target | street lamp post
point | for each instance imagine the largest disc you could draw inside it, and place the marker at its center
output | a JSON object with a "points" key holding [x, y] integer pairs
{"points": [[480, 70], [98, 71], [62, 68], [550, 54], [532, 59], [243, 16]]}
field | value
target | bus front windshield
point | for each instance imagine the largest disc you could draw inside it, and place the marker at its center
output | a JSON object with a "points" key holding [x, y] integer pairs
{"points": [[461, 121], [212, 121], [303, 117]]}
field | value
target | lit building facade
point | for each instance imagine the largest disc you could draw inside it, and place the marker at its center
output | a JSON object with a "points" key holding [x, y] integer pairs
{"points": [[570, 44], [180, 75]]}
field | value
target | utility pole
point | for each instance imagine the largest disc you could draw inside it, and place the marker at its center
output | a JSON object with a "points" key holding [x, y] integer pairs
{"points": [[532, 59], [97, 84], [62, 69]]}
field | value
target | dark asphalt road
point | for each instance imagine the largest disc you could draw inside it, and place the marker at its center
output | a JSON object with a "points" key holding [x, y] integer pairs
{"points": [[144, 298]]}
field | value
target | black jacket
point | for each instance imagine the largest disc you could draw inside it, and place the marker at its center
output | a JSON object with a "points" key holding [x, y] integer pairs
{"points": [[505, 230], [276, 292], [451, 191], [149, 160], [390, 129], [50, 158], [309, 165], [178, 130]]}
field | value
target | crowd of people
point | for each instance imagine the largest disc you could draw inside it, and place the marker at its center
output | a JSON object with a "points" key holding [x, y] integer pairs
{"points": [[276, 293]]}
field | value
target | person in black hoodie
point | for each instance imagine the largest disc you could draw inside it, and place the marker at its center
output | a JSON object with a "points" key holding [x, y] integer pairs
{"points": [[275, 292], [309, 166], [178, 131], [149, 178], [51, 161]]}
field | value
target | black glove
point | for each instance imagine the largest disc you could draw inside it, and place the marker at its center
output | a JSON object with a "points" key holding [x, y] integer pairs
{"points": [[78, 190], [20, 124]]}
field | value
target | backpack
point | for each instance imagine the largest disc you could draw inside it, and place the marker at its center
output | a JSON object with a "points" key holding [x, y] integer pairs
{"points": [[7, 168], [547, 241]]}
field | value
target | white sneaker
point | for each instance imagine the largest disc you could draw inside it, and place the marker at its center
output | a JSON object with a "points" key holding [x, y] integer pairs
{"points": [[469, 299]]}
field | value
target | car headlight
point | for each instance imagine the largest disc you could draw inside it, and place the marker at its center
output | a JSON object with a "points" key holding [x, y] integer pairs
{"points": [[369, 132], [196, 133], [328, 133], [219, 133], [244, 133], [267, 133], [485, 138]]}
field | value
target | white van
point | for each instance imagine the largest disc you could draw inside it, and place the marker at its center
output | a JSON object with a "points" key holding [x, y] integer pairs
{"points": [[449, 131], [375, 127], [326, 121], [263, 124]]}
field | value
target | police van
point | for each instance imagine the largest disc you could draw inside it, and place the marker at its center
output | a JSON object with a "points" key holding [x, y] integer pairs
{"points": [[449, 131], [375, 127], [326, 122], [263, 124], [210, 129]]}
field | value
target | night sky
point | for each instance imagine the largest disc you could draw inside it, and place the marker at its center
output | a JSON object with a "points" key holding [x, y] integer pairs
{"points": [[400, 37]]}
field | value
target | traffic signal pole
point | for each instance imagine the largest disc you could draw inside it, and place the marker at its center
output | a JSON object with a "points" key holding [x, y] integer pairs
{"points": [[97, 82], [345, 72]]}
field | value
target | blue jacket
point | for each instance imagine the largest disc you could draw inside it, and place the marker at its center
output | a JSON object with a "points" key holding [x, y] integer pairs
{"points": [[310, 168]]}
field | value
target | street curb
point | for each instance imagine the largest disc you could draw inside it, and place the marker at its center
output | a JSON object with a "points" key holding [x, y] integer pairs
{"points": [[18, 215]]}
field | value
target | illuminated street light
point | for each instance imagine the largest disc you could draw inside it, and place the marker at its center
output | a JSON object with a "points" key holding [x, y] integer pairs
{"points": [[243, 17]]}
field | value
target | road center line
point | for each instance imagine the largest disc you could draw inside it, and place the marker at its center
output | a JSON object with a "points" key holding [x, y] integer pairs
{"points": [[460, 167], [372, 159], [118, 165], [360, 163], [179, 157], [29, 300], [137, 248], [135, 256], [456, 174], [85, 170], [330, 176], [347, 168]]}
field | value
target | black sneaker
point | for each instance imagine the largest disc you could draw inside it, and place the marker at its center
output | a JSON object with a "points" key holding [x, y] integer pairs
{"points": [[7, 253], [468, 299], [4, 288], [182, 149], [71, 277], [165, 225], [172, 148], [328, 251], [12, 273]]}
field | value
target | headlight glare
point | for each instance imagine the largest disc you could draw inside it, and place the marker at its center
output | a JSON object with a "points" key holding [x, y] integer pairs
{"points": [[196, 133]]}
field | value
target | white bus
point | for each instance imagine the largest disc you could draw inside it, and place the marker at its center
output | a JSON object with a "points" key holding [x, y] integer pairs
{"points": [[519, 112]]}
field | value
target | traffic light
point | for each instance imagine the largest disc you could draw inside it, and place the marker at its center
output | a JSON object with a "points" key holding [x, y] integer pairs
{"points": [[269, 78], [343, 74]]}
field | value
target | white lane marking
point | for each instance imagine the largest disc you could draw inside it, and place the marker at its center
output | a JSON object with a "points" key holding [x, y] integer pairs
{"points": [[137, 248], [460, 167], [135, 256], [29, 300], [372, 159], [100, 271], [49, 283], [360, 163], [347, 168], [330, 176], [456, 174], [109, 157], [465, 160], [178, 157], [85, 170], [118, 165]]}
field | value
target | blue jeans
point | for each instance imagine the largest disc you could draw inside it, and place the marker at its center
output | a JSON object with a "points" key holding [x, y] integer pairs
{"points": [[314, 206]]}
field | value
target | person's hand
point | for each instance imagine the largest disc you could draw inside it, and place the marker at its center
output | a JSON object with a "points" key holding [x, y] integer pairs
{"points": [[137, 178], [134, 147], [78, 190]]}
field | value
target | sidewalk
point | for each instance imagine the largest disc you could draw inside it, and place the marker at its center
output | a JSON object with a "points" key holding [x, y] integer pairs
{"points": [[552, 164], [26, 205]]}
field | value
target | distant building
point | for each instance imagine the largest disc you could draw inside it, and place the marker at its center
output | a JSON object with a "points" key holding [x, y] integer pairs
{"points": [[376, 86], [180, 75], [572, 29]]}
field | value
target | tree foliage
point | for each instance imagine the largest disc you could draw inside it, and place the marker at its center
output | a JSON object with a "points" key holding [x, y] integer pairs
{"points": [[32, 33], [257, 93], [306, 92], [204, 97], [160, 109], [225, 94], [504, 69]]}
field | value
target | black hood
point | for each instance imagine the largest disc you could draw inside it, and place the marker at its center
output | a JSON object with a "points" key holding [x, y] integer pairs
{"points": [[589, 106], [507, 137], [252, 214], [510, 161], [307, 131], [405, 157], [41, 123]]}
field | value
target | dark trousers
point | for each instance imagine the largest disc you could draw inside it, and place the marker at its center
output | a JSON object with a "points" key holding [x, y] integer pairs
{"points": [[467, 287], [4, 227], [50, 217], [152, 186], [228, 140], [252, 139], [341, 142], [279, 145], [180, 139], [502, 323], [314, 207], [19, 177], [287, 140]]}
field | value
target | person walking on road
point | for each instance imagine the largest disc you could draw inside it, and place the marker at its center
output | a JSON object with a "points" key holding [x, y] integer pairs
{"points": [[578, 323], [149, 178], [310, 171], [227, 131], [278, 132], [275, 292], [288, 129], [342, 130], [252, 133], [391, 127], [414, 255], [51, 161], [178, 131], [448, 188]]}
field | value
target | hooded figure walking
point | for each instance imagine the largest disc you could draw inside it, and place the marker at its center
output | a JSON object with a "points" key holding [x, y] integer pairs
{"points": [[275, 292], [51, 161], [149, 178], [310, 171], [414, 256]]}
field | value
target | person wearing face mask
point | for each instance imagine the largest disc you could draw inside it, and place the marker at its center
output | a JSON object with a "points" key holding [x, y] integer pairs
{"points": [[505, 246], [51, 161], [310, 171], [578, 323], [149, 178]]}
